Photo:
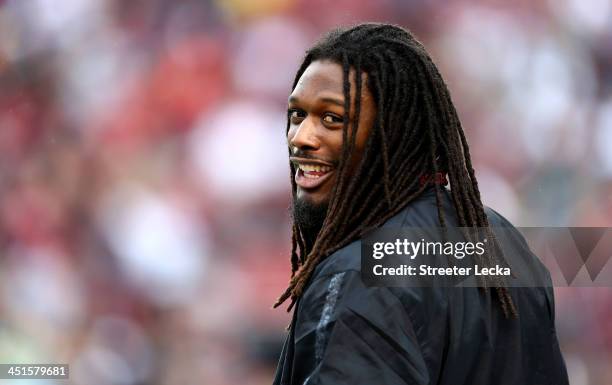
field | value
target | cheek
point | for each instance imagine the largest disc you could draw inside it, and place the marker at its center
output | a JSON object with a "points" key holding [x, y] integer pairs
{"points": [[334, 143]]}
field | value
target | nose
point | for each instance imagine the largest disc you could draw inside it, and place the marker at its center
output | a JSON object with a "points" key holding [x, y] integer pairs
{"points": [[304, 136]]}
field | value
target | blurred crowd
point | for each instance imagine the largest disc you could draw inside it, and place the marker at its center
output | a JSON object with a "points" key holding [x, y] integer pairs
{"points": [[144, 183]]}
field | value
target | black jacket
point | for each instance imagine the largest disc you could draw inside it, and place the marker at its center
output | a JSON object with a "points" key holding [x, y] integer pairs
{"points": [[343, 332]]}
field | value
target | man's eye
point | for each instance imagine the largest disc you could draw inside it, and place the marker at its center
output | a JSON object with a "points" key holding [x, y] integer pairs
{"points": [[295, 114], [330, 118]]}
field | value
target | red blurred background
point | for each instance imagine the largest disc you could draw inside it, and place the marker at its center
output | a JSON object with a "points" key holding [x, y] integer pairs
{"points": [[144, 231]]}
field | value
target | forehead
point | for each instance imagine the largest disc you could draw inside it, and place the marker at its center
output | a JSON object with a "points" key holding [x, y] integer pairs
{"points": [[320, 76], [324, 80]]}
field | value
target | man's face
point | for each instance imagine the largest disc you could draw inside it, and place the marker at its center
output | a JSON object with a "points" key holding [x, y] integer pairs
{"points": [[316, 110]]}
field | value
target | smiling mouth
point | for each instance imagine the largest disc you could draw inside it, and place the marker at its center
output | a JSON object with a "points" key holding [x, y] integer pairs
{"points": [[311, 175], [311, 171]]}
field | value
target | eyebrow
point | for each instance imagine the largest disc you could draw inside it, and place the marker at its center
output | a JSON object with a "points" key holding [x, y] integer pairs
{"points": [[327, 99]]}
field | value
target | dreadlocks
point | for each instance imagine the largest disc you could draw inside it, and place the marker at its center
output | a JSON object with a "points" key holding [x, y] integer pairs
{"points": [[416, 133]]}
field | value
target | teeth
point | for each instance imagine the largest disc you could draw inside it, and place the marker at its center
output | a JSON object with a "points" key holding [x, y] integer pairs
{"points": [[314, 168]]}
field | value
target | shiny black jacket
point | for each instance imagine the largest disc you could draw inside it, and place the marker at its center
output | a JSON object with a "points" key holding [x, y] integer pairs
{"points": [[343, 332]]}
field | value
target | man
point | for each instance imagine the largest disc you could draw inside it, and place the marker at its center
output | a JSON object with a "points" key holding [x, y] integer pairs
{"points": [[373, 138]]}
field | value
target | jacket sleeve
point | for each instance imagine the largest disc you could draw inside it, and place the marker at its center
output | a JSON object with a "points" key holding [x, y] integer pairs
{"points": [[372, 341]]}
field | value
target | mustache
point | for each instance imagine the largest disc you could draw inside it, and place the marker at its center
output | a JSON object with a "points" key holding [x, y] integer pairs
{"points": [[305, 155]]}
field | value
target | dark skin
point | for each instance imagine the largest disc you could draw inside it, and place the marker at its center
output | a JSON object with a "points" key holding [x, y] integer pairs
{"points": [[316, 110]]}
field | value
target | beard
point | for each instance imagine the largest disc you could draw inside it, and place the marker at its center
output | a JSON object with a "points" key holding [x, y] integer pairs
{"points": [[309, 218]]}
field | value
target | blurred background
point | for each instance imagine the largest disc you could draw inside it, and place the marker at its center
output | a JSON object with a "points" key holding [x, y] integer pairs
{"points": [[144, 231]]}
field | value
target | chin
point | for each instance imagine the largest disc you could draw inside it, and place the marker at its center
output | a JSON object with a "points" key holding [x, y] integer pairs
{"points": [[309, 215], [312, 199]]}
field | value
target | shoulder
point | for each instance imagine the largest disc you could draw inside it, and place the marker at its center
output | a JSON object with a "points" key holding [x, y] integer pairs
{"points": [[423, 212]]}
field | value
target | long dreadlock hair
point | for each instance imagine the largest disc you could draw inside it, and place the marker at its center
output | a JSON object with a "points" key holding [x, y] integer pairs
{"points": [[416, 133]]}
